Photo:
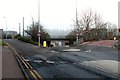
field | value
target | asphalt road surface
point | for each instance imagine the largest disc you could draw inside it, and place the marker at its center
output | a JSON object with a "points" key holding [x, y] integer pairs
{"points": [[81, 62]]}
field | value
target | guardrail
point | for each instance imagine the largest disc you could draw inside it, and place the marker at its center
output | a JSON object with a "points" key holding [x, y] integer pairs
{"points": [[29, 72]]}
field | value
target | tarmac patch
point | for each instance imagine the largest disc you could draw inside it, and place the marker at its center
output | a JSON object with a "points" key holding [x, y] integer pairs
{"points": [[107, 66]]}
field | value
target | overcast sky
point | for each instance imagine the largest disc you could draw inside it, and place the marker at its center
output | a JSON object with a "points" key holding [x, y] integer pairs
{"points": [[54, 14]]}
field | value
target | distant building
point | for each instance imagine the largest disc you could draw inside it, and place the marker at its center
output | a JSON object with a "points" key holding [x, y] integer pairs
{"points": [[10, 34]]}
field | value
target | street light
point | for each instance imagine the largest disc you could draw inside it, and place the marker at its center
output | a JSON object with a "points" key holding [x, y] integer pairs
{"points": [[77, 30], [39, 22], [6, 26]]}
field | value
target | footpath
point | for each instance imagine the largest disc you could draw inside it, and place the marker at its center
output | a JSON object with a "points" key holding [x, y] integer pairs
{"points": [[10, 67], [105, 43]]}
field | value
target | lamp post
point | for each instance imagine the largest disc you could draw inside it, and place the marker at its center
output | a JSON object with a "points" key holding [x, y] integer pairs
{"points": [[39, 22], [77, 30], [19, 29], [23, 26], [6, 26]]}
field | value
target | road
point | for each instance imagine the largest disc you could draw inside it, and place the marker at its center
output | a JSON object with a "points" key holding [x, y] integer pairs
{"points": [[83, 61]]}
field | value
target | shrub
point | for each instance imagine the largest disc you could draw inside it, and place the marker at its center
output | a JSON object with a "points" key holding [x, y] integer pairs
{"points": [[27, 40], [2, 43], [17, 36]]}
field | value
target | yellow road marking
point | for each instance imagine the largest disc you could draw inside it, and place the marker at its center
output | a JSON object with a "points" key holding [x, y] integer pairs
{"points": [[38, 74], [13, 49], [27, 63], [33, 75]]}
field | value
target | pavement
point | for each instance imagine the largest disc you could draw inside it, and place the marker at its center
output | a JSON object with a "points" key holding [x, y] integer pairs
{"points": [[105, 43], [10, 67]]}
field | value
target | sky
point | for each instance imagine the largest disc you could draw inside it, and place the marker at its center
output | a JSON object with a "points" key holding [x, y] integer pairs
{"points": [[54, 14]]}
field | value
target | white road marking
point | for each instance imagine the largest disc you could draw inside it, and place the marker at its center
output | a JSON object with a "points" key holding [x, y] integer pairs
{"points": [[39, 61], [71, 50], [27, 60], [88, 51], [50, 62], [55, 51]]}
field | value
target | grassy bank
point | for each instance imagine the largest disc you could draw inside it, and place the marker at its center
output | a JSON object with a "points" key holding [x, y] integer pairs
{"points": [[2, 43], [27, 40]]}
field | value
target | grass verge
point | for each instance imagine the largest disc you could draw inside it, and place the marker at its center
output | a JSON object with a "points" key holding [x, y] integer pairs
{"points": [[27, 40], [2, 43]]}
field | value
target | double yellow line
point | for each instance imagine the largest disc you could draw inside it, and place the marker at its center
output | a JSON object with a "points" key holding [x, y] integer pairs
{"points": [[33, 72]]}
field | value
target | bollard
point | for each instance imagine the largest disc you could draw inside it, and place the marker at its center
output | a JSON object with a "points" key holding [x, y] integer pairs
{"points": [[44, 44]]}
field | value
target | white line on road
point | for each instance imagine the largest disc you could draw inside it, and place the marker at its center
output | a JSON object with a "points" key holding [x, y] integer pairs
{"points": [[55, 51], [88, 51]]}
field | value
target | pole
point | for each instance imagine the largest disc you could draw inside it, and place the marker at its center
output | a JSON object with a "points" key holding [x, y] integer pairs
{"points": [[39, 22], [76, 25], [27, 30], [19, 29], [23, 26], [77, 38], [6, 26]]}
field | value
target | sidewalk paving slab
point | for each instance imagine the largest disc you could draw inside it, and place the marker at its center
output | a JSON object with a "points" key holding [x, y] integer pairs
{"points": [[10, 67]]}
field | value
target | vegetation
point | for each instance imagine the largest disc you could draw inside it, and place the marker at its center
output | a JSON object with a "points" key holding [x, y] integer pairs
{"points": [[17, 36], [91, 26], [27, 40], [34, 31], [2, 43]]}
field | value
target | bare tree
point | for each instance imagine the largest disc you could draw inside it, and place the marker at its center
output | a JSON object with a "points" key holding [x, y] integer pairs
{"points": [[98, 22], [91, 25], [87, 20]]}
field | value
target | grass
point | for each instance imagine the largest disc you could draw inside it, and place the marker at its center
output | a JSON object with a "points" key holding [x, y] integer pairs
{"points": [[2, 43]]}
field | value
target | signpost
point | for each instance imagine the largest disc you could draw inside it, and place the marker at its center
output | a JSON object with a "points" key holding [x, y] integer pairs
{"points": [[77, 38]]}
